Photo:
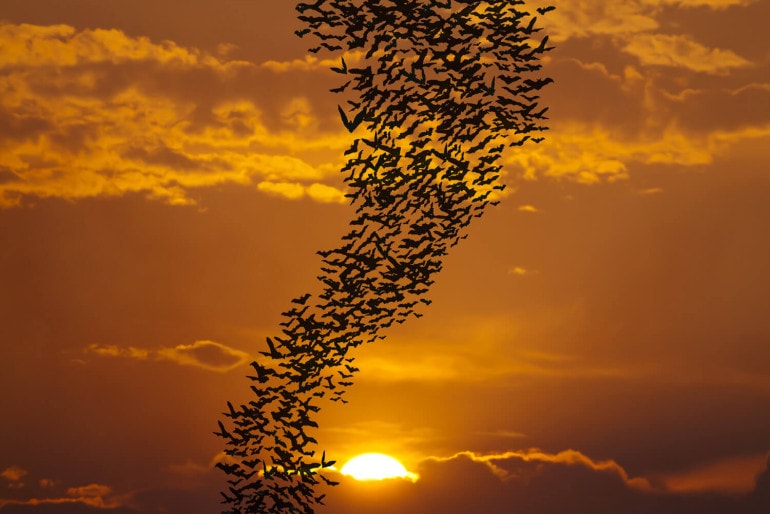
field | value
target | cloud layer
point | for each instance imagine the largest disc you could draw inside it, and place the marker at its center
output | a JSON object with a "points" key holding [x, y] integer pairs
{"points": [[98, 113], [531, 481]]}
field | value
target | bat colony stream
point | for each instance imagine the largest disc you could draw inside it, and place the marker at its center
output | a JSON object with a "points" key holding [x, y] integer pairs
{"points": [[437, 90]]}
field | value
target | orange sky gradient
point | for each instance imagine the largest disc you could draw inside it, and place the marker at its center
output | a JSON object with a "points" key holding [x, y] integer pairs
{"points": [[600, 343]]}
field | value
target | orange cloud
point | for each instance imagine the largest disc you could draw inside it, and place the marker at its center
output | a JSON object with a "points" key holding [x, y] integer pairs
{"points": [[99, 113], [62, 45], [205, 354], [681, 51], [495, 463], [295, 190], [92, 495], [592, 153], [521, 271], [619, 19], [46, 483], [594, 17], [96, 495], [208, 355], [326, 194], [312, 63], [14, 475], [119, 351]]}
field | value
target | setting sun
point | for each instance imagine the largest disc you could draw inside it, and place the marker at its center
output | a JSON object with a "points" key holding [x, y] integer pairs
{"points": [[376, 466]]}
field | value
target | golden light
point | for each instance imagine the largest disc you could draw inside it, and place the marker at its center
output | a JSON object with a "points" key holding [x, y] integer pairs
{"points": [[376, 466]]}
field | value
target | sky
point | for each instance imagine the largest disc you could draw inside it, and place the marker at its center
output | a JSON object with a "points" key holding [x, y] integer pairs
{"points": [[599, 343]]}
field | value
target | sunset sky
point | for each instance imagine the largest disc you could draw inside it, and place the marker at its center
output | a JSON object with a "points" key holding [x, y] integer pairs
{"points": [[600, 343]]}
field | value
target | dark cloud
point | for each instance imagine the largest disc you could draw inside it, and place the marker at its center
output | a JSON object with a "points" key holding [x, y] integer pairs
{"points": [[531, 483], [714, 109], [18, 125], [586, 77], [173, 159], [758, 501]]}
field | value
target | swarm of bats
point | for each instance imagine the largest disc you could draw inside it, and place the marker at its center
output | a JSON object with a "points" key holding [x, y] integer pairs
{"points": [[440, 89]]}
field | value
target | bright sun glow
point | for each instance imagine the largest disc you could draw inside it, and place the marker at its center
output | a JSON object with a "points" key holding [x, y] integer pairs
{"points": [[376, 466]]}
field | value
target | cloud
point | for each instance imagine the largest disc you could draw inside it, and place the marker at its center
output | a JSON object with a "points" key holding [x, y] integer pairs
{"points": [[92, 495], [290, 190], [87, 113], [14, 475], [681, 51], [594, 17], [620, 115], [591, 153], [96, 495], [326, 194], [62, 45], [129, 352], [529, 481], [191, 488], [532, 481], [521, 271], [46, 483], [500, 464], [617, 19], [204, 354], [313, 63], [295, 190], [701, 109]]}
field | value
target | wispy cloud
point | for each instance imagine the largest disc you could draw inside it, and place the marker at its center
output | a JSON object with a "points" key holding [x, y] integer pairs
{"points": [[497, 463], [92, 495], [681, 51], [208, 355], [313, 63], [618, 19], [14, 476]]}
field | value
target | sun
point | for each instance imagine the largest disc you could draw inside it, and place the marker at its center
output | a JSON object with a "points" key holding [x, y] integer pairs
{"points": [[376, 466]]}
